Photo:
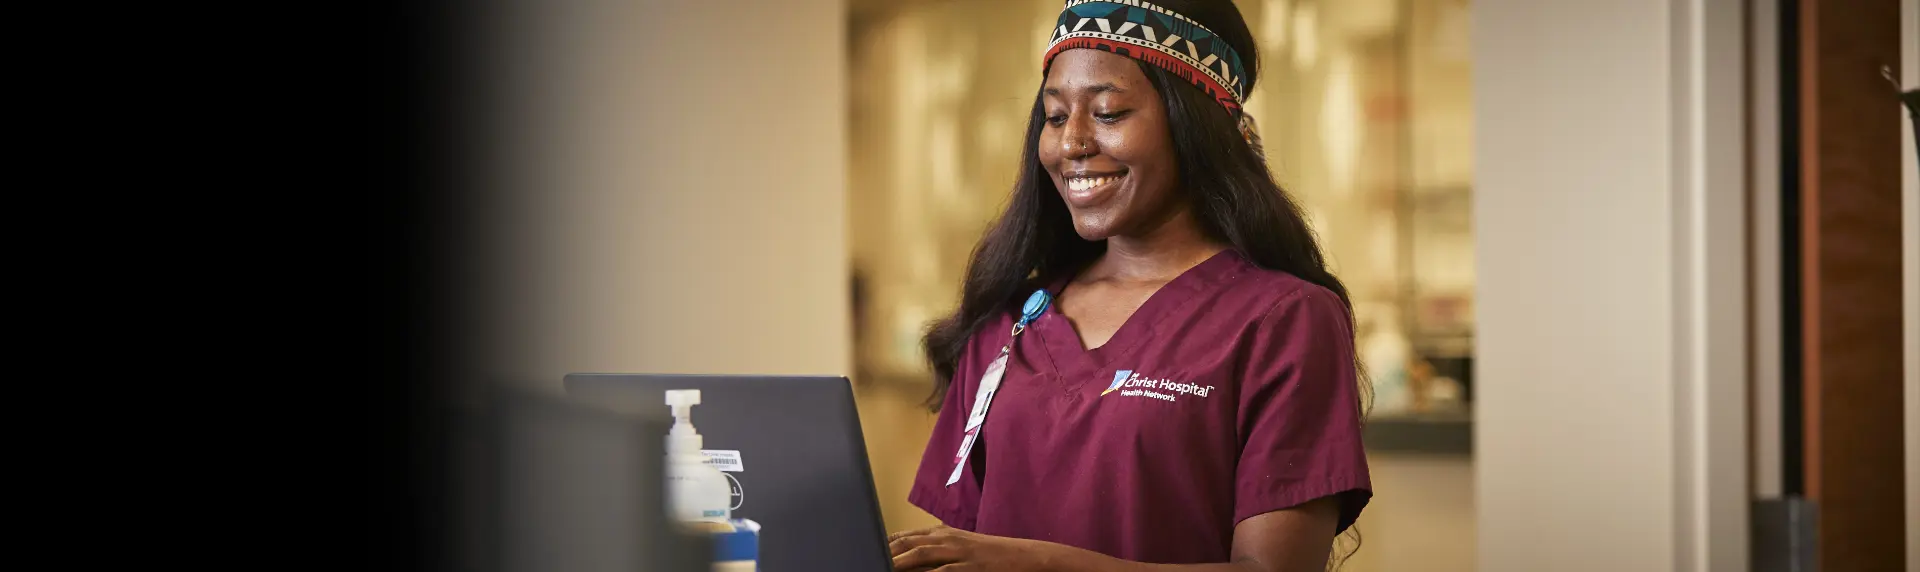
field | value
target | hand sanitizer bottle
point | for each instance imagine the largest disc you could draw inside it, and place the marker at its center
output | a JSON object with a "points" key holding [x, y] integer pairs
{"points": [[696, 492]]}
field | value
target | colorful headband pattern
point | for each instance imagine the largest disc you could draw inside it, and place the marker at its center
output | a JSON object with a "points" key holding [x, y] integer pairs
{"points": [[1157, 36]]}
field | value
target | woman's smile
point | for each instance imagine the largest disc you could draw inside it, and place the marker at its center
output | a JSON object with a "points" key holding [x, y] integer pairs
{"points": [[1087, 189]]}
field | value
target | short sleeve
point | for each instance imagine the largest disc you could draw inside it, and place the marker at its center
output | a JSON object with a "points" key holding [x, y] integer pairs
{"points": [[1299, 412], [958, 505]]}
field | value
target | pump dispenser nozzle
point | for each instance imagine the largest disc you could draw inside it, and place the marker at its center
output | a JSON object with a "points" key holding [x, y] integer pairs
{"points": [[683, 437]]}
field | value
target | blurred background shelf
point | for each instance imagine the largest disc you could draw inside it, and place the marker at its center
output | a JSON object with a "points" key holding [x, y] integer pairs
{"points": [[1448, 433]]}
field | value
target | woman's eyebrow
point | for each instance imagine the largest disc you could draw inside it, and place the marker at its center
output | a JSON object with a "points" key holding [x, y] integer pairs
{"points": [[1095, 88]]}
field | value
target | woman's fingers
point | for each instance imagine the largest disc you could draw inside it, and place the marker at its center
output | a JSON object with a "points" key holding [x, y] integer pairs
{"points": [[927, 556], [909, 541], [917, 532]]}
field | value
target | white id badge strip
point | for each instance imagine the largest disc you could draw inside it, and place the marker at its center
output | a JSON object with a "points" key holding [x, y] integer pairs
{"points": [[982, 400]]}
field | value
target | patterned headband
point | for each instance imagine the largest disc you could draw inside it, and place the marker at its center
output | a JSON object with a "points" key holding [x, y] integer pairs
{"points": [[1157, 36]]}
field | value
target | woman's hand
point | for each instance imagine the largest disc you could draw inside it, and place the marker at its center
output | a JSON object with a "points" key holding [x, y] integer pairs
{"points": [[954, 550], [1295, 539]]}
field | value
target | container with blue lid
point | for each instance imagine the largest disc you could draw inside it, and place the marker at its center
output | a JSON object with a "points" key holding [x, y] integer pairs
{"points": [[736, 546]]}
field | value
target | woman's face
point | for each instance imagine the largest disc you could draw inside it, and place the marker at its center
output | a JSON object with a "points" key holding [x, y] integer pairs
{"points": [[1106, 144]]}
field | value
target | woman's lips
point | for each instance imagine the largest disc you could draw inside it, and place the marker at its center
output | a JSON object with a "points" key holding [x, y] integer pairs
{"points": [[1089, 189]]}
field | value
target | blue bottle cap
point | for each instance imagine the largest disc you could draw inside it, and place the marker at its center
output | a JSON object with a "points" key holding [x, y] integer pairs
{"points": [[740, 545], [1036, 305]]}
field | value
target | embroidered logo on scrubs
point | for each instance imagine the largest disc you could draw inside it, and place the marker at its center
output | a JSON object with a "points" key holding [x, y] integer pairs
{"points": [[1119, 378], [1131, 384]]}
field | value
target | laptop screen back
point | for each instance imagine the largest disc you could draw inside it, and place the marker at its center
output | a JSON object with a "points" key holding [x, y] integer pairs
{"points": [[801, 470]]}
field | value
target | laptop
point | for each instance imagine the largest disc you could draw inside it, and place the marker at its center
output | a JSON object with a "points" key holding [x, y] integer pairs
{"points": [[794, 455], [553, 484]]}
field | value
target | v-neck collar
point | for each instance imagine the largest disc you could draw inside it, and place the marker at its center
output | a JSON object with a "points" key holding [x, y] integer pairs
{"points": [[1072, 360]]}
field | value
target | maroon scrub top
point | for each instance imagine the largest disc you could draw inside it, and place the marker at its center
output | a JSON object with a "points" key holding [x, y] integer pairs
{"points": [[1228, 394]]}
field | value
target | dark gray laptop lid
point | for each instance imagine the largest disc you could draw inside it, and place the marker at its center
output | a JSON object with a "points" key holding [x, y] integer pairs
{"points": [[803, 472]]}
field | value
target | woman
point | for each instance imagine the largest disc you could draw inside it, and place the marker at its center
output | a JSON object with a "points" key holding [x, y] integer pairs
{"points": [[1189, 399]]}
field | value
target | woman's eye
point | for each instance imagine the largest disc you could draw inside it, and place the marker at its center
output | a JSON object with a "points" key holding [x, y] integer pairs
{"points": [[1110, 118], [1057, 120]]}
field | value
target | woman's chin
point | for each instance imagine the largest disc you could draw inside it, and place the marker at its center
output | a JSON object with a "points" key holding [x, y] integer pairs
{"points": [[1091, 229]]}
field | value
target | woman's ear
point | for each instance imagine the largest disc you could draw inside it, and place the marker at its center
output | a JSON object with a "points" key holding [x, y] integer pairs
{"points": [[1252, 132]]}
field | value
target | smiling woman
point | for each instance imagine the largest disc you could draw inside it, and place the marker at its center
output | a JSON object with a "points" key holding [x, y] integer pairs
{"points": [[1106, 143], [1144, 211]]}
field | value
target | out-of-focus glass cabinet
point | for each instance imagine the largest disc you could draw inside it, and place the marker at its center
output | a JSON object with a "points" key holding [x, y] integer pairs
{"points": [[1367, 110]]}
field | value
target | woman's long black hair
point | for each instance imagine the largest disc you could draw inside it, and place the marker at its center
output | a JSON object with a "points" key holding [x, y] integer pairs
{"points": [[1234, 198]]}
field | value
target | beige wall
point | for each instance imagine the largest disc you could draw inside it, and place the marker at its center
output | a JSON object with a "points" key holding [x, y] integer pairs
{"points": [[681, 205], [1610, 429], [1580, 186]]}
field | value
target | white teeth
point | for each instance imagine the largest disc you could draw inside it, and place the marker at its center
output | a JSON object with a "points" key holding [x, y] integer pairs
{"points": [[1084, 183]]}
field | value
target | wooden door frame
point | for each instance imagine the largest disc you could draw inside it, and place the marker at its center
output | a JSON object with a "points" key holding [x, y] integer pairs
{"points": [[1849, 269]]}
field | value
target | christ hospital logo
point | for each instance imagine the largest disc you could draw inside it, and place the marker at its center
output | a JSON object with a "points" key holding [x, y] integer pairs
{"points": [[1131, 384]]}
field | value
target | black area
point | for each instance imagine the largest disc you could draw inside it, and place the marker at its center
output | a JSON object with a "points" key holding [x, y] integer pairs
{"points": [[420, 68], [1430, 434], [1792, 449]]}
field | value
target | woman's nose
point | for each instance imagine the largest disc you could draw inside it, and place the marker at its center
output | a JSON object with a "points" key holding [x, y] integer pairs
{"points": [[1076, 138]]}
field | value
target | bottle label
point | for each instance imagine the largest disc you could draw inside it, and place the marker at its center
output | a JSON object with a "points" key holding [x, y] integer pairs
{"points": [[724, 460]]}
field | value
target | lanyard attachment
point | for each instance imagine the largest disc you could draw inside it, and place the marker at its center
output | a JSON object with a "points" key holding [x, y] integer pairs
{"points": [[990, 382], [1035, 306]]}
